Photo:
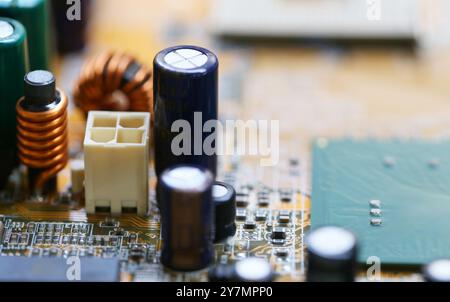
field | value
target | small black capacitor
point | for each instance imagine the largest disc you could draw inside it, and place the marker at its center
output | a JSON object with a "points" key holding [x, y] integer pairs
{"points": [[224, 197], [332, 253], [185, 194], [250, 269], [437, 271], [70, 34], [253, 269], [185, 89]]}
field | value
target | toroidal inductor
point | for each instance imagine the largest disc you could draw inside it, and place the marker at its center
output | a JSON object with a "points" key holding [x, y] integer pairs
{"points": [[42, 131], [114, 81]]}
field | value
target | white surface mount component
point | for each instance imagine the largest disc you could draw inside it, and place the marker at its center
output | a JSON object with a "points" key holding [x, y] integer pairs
{"points": [[116, 150]]}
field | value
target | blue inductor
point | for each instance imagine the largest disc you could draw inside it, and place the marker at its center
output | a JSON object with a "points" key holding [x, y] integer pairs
{"points": [[185, 193], [185, 87]]}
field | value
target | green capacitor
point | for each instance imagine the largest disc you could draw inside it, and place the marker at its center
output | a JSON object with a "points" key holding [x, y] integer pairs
{"points": [[35, 16], [13, 67]]}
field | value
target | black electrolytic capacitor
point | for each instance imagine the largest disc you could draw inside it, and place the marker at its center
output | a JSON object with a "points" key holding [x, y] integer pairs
{"points": [[224, 197], [253, 270], [250, 269], [332, 255], [70, 34], [186, 92], [185, 194]]}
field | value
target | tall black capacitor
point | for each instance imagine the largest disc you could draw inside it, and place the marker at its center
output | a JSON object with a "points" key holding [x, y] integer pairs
{"points": [[185, 195], [185, 88], [332, 253]]}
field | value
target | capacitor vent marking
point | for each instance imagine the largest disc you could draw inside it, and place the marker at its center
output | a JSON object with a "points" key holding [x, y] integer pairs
{"points": [[186, 178], [253, 269], [186, 58], [219, 191], [6, 29]]}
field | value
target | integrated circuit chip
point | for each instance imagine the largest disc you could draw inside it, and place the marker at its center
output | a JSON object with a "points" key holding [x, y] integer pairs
{"points": [[37, 269], [395, 196]]}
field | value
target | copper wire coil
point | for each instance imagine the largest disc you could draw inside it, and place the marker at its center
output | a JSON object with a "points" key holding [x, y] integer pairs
{"points": [[114, 82], [42, 140]]}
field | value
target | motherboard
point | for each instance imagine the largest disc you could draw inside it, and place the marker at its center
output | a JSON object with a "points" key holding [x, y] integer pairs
{"points": [[358, 191], [272, 217]]}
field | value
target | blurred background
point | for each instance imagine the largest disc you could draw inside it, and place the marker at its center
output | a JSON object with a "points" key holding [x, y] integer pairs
{"points": [[324, 68]]}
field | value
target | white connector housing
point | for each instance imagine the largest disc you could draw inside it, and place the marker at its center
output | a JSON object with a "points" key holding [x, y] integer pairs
{"points": [[116, 148]]}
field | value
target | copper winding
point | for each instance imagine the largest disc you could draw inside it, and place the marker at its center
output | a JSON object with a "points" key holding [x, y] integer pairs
{"points": [[42, 140], [105, 75]]}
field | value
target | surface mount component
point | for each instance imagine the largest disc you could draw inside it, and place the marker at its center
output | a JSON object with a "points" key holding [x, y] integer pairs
{"points": [[331, 255], [42, 130], [116, 154], [388, 195], [437, 271], [114, 81], [185, 197], [50, 269], [35, 16], [14, 65], [185, 89], [77, 176], [224, 197]]}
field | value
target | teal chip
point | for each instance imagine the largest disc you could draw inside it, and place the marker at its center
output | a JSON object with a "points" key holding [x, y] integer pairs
{"points": [[395, 196]]}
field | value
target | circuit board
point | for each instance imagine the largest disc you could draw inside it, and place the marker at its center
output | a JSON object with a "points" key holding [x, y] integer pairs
{"points": [[389, 193], [33, 228]]}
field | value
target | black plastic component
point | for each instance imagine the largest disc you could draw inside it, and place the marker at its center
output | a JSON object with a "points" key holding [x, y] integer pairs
{"points": [[70, 34], [224, 197], [185, 88], [332, 253], [185, 197], [40, 88]]}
